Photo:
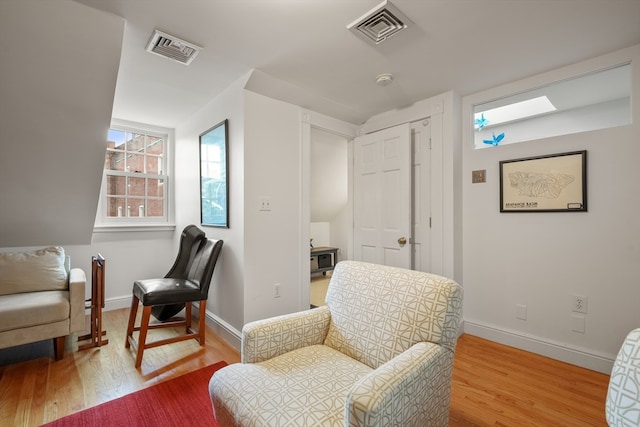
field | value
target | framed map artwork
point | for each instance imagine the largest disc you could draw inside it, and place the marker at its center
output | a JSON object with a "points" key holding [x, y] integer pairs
{"points": [[552, 183]]}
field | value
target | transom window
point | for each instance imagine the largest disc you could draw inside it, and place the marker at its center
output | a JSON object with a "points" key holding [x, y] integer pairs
{"points": [[592, 101]]}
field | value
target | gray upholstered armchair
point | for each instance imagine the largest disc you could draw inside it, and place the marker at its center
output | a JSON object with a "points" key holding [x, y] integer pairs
{"points": [[41, 297], [379, 354]]}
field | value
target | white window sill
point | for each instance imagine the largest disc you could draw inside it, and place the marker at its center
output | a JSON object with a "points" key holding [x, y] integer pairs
{"points": [[119, 228]]}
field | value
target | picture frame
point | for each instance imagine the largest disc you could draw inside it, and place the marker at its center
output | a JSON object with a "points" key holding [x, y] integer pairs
{"points": [[214, 176], [550, 183]]}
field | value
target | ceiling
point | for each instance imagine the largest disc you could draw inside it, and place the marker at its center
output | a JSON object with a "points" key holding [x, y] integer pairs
{"points": [[460, 45]]}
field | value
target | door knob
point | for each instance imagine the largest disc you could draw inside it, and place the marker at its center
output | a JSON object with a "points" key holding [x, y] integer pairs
{"points": [[402, 241]]}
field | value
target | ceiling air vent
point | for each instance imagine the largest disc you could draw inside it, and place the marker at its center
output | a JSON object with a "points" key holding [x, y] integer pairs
{"points": [[380, 23], [172, 47]]}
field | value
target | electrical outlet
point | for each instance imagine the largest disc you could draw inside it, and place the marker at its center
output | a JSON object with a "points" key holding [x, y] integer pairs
{"points": [[521, 311], [276, 290], [264, 204], [580, 304]]}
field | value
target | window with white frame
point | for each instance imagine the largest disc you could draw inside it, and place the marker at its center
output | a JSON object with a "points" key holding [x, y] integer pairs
{"points": [[595, 100], [135, 181]]}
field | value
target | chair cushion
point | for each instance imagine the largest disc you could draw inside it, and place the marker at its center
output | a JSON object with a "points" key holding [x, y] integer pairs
{"points": [[32, 309], [33, 271], [166, 291], [305, 387]]}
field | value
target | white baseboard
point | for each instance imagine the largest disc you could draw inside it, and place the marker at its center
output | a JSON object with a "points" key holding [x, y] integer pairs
{"points": [[555, 350], [224, 330], [117, 303]]}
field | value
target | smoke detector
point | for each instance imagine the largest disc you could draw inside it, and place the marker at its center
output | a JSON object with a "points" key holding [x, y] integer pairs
{"points": [[172, 47], [380, 23], [384, 79]]}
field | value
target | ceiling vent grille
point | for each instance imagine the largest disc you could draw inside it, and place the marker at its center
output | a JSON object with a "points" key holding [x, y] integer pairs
{"points": [[380, 23], [172, 47]]}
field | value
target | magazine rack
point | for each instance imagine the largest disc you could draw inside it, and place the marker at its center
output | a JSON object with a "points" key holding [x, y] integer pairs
{"points": [[95, 304]]}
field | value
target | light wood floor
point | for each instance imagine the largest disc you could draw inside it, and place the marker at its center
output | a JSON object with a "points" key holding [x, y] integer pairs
{"points": [[318, 288], [493, 385]]}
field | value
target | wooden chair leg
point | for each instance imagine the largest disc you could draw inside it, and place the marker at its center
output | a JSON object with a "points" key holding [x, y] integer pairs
{"points": [[187, 316], [203, 311], [58, 347], [142, 338], [132, 320]]}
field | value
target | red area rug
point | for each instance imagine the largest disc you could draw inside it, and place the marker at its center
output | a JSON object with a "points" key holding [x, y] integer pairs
{"points": [[182, 401]]}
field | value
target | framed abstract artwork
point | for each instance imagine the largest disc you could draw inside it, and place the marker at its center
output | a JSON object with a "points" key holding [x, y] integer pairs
{"points": [[214, 178]]}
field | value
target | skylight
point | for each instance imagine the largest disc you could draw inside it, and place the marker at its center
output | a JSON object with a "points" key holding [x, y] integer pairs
{"points": [[512, 112]]}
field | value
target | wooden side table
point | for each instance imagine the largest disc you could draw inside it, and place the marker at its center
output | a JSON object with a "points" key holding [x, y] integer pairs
{"points": [[95, 304]]}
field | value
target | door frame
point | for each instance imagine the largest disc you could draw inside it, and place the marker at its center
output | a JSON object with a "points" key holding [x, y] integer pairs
{"points": [[308, 120], [446, 185]]}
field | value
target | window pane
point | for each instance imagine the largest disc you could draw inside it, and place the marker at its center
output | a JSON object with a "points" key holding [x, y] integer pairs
{"points": [[154, 165], [135, 163], [135, 207], [136, 142], [155, 208], [116, 139], [116, 185], [155, 145], [114, 160], [136, 187], [115, 206], [155, 187]]}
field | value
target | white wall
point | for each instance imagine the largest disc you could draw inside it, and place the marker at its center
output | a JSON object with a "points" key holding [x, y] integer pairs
{"points": [[541, 259], [272, 163], [328, 180], [226, 294], [320, 232]]}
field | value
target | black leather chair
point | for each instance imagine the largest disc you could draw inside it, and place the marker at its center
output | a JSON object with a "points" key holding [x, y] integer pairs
{"points": [[187, 281], [190, 241]]}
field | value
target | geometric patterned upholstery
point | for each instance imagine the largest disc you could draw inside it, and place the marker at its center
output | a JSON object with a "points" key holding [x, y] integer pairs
{"points": [[623, 395], [300, 388], [377, 312], [379, 354]]}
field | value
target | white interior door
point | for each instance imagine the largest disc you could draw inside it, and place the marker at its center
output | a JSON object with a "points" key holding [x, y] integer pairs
{"points": [[382, 197]]}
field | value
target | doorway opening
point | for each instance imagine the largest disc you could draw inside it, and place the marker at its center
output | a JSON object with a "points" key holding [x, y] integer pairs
{"points": [[329, 208]]}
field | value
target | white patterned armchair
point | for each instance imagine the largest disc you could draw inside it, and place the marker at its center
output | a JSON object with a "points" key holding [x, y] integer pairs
{"points": [[623, 395], [379, 354]]}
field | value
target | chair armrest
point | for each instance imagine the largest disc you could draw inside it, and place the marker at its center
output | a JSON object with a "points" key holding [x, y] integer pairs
{"points": [[265, 339], [77, 281], [412, 389]]}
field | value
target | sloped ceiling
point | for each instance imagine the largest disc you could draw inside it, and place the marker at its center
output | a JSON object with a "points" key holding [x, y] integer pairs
{"points": [[460, 45], [57, 81]]}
